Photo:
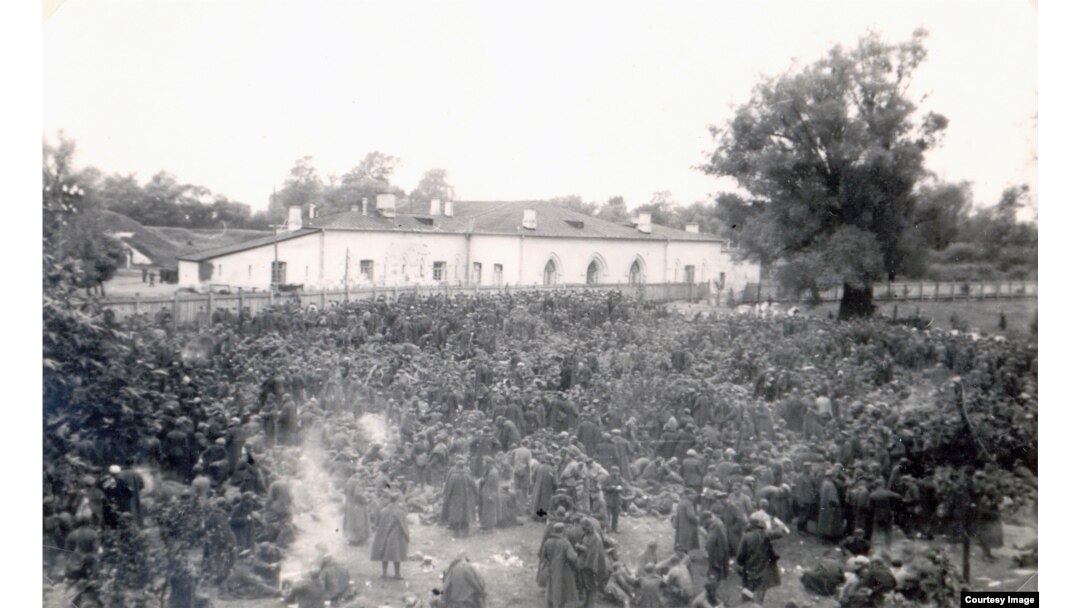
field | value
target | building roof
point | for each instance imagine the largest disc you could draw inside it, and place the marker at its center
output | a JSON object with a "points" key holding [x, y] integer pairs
{"points": [[217, 252], [401, 222], [554, 220], [505, 217], [473, 217]]}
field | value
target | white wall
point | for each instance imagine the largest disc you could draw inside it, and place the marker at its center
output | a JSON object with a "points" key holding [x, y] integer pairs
{"points": [[319, 260], [490, 250], [250, 268], [708, 260], [400, 258], [572, 257]]}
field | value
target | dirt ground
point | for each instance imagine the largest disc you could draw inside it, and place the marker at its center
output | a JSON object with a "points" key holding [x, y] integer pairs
{"points": [[515, 585], [128, 282]]}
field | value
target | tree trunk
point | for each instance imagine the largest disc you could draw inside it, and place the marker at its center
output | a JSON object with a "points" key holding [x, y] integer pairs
{"points": [[857, 302]]}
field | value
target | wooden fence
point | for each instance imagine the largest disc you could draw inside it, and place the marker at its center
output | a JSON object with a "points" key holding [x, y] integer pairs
{"points": [[185, 308], [888, 292]]}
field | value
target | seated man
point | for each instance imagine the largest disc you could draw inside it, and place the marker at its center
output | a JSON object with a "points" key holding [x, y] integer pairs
{"points": [[825, 578], [620, 585], [677, 579], [244, 584], [334, 579], [856, 544]]}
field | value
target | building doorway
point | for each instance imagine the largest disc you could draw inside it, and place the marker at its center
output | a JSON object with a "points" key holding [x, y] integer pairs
{"points": [[592, 275], [550, 273]]}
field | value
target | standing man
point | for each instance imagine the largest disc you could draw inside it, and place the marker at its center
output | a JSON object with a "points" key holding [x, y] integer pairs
{"points": [[557, 569], [459, 500], [830, 522], [391, 542], [593, 565], [613, 488], [686, 524], [693, 473], [543, 488], [717, 550], [757, 562]]}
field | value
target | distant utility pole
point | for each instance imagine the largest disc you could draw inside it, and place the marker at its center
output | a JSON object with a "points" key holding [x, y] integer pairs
{"points": [[274, 271]]}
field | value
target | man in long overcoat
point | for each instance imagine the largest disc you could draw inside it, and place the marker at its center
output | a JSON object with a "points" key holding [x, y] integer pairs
{"points": [[543, 488], [717, 550], [558, 569], [830, 522], [459, 500], [686, 524], [593, 562], [391, 542], [490, 509], [462, 585], [757, 561], [357, 526]]}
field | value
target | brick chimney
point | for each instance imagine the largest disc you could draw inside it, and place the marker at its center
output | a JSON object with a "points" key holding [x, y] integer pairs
{"points": [[435, 207], [363, 206], [448, 208]]}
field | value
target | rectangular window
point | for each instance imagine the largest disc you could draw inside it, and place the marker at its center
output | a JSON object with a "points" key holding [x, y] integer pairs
{"points": [[219, 270], [277, 273], [367, 269], [723, 278], [438, 271], [249, 271], [477, 272], [497, 274]]}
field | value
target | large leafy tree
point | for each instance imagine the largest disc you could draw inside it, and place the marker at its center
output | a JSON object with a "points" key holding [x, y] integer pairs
{"points": [[574, 202], [614, 210], [71, 236], [830, 156], [663, 208], [372, 175], [434, 185]]}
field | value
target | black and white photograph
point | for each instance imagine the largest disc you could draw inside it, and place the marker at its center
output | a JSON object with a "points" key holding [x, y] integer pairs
{"points": [[566, 305]]}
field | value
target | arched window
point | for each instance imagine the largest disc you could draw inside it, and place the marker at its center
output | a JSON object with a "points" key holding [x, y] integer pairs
{"points": [[592, 275], [550, 273], [635, 273]]}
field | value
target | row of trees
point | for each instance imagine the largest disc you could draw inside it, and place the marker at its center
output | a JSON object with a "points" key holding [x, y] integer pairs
{"points": [[371, 176]]}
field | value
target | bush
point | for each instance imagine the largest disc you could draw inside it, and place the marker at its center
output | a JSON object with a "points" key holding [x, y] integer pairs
{"points": [[957, 253]]}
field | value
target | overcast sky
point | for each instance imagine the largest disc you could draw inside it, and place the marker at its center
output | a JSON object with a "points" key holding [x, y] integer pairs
{"points": [[514, 101]]}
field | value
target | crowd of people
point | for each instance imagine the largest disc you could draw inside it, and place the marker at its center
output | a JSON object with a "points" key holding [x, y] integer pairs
{"points": [[572, 409]]}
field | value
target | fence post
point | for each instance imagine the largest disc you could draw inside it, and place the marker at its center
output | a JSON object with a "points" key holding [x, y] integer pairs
{"points": [[322, 298], [136, 303], [175, 310], [240, 302], [210, 302]]}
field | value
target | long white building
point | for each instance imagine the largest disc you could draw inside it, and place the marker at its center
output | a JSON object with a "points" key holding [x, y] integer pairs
{"points": [[467, 243]]}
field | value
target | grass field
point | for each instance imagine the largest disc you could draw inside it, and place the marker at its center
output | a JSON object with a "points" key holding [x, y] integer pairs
{"points": [[977, 315]]}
